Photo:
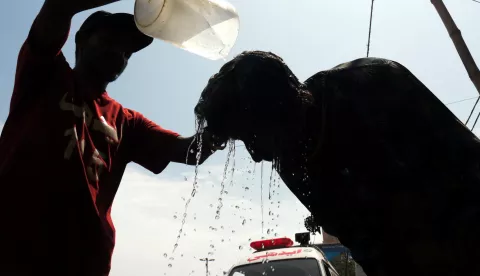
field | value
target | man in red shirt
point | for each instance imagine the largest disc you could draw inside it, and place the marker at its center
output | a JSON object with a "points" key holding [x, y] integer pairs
{"points": [[66, 143]]}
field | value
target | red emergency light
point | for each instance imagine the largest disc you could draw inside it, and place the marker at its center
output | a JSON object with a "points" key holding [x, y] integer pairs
{"points": [[271, 244]]}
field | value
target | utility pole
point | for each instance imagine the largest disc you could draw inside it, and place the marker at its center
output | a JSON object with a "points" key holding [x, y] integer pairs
{"points": [[459, 43], [206, 260]]}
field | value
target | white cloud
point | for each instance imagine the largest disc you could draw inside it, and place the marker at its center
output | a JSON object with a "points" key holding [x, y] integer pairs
{"points": [[146, 205]]}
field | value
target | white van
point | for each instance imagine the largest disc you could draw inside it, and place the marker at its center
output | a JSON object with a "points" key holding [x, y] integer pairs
{"points": [[279, 257]]}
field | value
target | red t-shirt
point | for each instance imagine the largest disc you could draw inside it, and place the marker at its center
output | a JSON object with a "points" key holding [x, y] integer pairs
{"points": [[62, 157]]}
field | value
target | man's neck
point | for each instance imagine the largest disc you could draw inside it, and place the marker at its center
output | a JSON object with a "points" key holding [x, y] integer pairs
{"points": [[308, 130], [88, 85]]}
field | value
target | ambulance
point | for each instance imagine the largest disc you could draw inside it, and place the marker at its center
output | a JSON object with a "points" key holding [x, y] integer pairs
{"points": [[280, 257]]}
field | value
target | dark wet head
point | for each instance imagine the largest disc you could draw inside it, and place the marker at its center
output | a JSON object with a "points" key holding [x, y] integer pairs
{"points": [[106, 41], [254, 98]]}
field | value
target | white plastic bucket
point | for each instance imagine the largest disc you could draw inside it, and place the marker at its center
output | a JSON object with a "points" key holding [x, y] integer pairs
{"points": [[208, 28]]}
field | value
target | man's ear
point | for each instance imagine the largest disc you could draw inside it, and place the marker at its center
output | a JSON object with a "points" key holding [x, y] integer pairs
{"points": [[80, 38]]}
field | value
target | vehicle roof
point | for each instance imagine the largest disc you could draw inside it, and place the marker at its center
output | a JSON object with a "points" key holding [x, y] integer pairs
{"points": [[294, 252]]}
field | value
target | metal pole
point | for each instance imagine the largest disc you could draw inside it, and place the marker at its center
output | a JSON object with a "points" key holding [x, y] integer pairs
{"points": [[459, 43], [206, 260]]}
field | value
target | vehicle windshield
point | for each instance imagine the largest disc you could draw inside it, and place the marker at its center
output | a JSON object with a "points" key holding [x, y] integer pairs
{"points": [[293, 267]]}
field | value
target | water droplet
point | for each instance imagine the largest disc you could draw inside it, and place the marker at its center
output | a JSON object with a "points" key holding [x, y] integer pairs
{"points": [[175, 217], [165, 255], [170, 265], [244, 221], [240, 247]]}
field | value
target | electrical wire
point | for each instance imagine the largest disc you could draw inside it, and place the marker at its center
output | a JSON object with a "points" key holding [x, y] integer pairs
{"points": [[463, 100], [370, 29], [475, 123], [471, 112]]}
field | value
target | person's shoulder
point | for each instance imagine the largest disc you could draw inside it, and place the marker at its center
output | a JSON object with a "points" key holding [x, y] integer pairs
{"points": [[356, 70], [132, 116], [368, 63], [365, 62]]}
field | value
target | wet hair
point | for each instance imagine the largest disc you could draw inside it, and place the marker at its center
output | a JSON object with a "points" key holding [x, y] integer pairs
{"points": [[252, 87]]}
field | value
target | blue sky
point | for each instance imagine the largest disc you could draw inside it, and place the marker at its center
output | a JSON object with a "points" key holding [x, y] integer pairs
{"points": [[164, 83]]}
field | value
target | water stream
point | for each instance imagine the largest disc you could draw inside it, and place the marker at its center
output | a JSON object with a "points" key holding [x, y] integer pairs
{"points": [[195, 180], [231, 153], [261, 193]]}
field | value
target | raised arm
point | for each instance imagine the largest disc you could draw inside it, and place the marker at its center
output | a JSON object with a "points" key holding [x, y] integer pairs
{"points": [[51, 27], [40, 55]]}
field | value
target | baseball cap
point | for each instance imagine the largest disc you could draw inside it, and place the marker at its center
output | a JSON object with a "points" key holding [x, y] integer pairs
{"points": [[134, 39]]}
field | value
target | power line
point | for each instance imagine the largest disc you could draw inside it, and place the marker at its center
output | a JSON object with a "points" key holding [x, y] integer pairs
{"points": [[463, 100], [471, 112], [370, 29], [475, 123]]}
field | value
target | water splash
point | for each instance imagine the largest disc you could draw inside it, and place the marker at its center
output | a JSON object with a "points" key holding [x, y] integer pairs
{"points": [[232, 145], [198, 137], [270, 184]]}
